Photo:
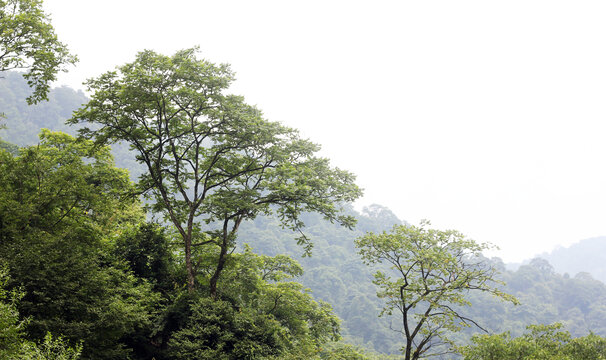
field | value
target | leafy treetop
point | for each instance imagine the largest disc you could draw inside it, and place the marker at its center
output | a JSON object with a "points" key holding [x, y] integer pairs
{"points": [[430, 273], [209, 156], [28, 41]]}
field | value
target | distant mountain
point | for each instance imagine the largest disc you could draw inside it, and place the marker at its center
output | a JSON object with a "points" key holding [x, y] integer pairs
{"points": [[23, 122], [587, 255]]}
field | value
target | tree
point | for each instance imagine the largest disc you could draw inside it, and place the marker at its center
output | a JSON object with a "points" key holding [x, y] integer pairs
{"points": [[342, 351], [28, 41], [540, 342], [147, 253], [430, 272], [210, 158]]}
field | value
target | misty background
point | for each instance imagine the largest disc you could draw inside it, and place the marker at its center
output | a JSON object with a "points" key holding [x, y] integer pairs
{"points": [[486, 117]]}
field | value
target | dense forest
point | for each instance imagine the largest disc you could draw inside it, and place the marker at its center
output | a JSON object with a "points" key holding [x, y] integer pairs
{"points": [[164, 218]]}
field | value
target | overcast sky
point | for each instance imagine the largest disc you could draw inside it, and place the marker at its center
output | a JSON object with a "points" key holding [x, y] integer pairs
{"points": [[483, 116]]}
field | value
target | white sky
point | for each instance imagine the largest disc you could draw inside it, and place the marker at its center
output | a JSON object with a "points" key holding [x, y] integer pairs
{"points": [[483, 116]]}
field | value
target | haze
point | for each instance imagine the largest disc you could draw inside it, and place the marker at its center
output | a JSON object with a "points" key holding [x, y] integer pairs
{"points": [[486, 117]]}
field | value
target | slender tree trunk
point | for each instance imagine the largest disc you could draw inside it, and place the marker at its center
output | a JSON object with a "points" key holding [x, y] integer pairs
{"points": [[188, 266], [408, 349], [227, 235], [220, 265]]}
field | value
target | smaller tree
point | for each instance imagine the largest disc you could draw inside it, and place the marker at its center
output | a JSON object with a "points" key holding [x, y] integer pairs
{"points": [[28, 41], [540, 342], [430, 273]]}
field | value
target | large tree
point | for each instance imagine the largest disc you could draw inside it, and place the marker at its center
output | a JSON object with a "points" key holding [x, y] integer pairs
{"points": [[28, 42], [430, 271], [210, 158]]}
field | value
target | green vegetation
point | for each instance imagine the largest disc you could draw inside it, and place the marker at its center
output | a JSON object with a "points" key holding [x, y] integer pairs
{"points": [[196, 259], [209, 157], [334, 272], [13, 344], [541, 342], [431, 272], [88, 266], [28, 41]]}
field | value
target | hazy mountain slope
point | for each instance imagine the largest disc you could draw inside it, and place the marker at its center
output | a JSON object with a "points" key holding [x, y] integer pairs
{"points": [[23, 122], [334, 272], [587, 255]]}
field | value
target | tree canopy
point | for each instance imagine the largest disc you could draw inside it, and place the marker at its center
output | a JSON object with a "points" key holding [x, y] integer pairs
{"points": [[430, 272], [60, 203], [210, 158], [540, 342], [28, 42]]}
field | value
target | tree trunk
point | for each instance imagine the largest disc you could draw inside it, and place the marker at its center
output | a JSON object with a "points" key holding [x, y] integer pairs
{"points": [[190, 270], [220, 265], [408, 350], [225, 241]]}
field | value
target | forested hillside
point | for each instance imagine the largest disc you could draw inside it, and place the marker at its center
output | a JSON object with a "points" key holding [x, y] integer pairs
{"points": [[588, 255], [334, 272], [23, 122]]}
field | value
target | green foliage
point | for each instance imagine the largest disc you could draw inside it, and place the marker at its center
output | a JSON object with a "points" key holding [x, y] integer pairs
{"points": [[541, 342], [260, 282], [217, 330], [28, 41], [261, 314], [431, 271], [209, 156], [11, 326], [62, 183], [65, 274], [147, 252], [340, 351], [13, 345], [545, 297], [24, 122], [60, 204], [334, 272], [49, 349]]}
